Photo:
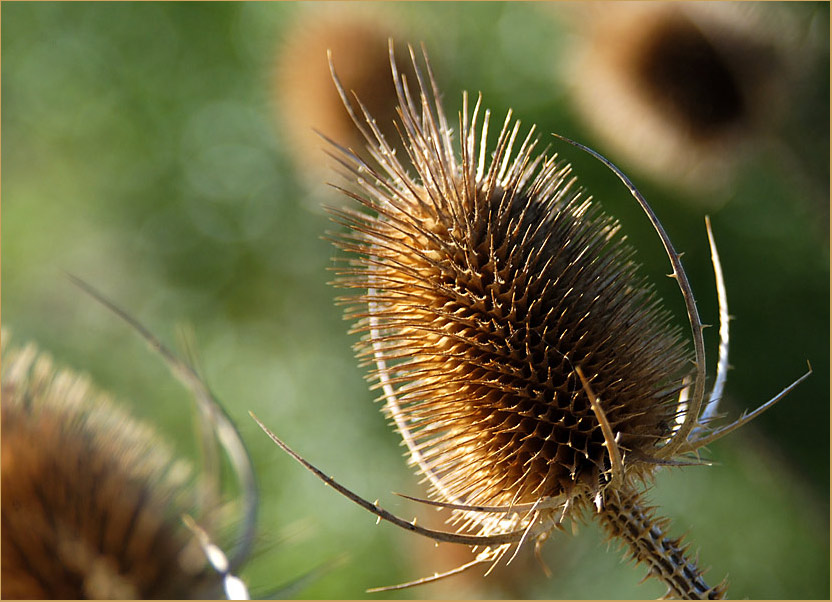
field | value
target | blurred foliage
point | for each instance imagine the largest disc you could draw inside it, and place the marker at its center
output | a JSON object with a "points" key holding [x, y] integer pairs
{"points": [[141, 153]]}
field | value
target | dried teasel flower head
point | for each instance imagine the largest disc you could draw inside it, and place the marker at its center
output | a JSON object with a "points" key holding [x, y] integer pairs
{"points": [[86, 493], [94, 503], [682, 90], [487, 288], [529, 367], [305, 101]]}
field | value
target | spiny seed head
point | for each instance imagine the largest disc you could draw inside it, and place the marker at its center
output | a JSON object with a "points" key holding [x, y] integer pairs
{"points": [[92, 500], [485, 285]]}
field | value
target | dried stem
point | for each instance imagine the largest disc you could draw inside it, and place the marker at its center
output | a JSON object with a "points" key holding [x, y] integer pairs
{"points": [[626, 517], [208, 405]]}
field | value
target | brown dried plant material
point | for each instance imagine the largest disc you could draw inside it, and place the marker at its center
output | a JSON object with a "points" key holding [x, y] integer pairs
{"points": [[532, 372], [90, 497], [94, 503], [305, 101], [682, 90]]}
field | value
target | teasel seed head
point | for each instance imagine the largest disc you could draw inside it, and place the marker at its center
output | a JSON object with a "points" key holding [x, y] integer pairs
{"points": [[685, 90], [92, 498], [529, 368], [486, 286]]}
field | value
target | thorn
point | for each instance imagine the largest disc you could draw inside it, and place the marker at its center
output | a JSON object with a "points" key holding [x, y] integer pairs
{"points": [[470, 540]]}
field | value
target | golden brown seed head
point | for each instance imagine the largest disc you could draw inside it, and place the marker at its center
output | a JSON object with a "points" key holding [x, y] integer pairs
{"points": [[91, 499], [486, 287]]}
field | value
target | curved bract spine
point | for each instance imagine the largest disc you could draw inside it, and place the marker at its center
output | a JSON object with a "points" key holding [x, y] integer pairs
{"points": [[216, 419]]}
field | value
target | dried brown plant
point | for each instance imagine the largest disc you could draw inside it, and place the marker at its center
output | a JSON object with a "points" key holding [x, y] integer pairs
{"points": [[95, 505], [700, 84], [531, 370], [304, 99]]}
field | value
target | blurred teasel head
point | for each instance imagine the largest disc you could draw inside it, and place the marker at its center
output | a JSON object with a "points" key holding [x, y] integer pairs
{"points": [[528, 365], [95, 505], [304, 99], [683, 90]]}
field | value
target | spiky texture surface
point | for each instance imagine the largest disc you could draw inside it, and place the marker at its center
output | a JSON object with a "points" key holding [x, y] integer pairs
{"points": [[91, 499], [486, 285]]}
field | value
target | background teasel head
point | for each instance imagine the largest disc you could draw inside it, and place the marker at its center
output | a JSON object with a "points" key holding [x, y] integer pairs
{"points": [[499, 309], [94, 503], [305, 101], [697, 84]]}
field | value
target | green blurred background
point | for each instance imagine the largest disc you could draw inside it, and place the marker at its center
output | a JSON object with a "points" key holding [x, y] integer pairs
{"points": [[142, 152]]}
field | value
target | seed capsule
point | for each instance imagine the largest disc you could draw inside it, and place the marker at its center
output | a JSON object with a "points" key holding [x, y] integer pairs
{"points": [[485, 292]]}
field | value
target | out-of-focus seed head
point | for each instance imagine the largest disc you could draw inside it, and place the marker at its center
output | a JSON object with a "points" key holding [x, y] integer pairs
{"points": [[92, 500], [488, 277], [682, 89], [305, 100]]}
